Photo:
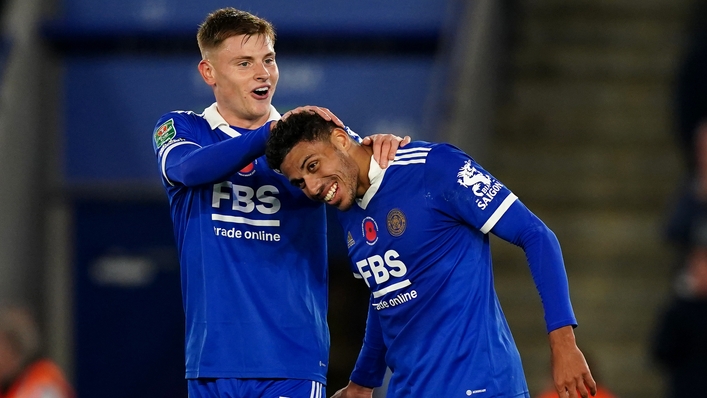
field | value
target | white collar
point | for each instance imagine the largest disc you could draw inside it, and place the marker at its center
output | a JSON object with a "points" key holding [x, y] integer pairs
{"points": [[375, 176], [215, 120]]}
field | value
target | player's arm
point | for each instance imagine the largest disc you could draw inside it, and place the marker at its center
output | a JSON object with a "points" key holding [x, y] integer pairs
{"points": [[463, 190], [186, 163], [370, 366], [521, 227]]}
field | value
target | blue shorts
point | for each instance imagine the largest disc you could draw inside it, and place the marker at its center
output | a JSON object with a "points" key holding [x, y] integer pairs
{"points": [[255, 388]]}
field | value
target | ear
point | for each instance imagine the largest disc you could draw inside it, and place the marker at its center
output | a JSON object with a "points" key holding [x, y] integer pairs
{"points": [[340, 139], [207, 72]]}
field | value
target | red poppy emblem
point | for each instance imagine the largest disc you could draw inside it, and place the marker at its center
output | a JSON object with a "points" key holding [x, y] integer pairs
{"points": [[370, 230], [248, 168]]}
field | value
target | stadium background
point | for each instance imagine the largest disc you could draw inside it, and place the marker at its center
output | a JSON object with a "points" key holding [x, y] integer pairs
{"points": [[568, 104]]}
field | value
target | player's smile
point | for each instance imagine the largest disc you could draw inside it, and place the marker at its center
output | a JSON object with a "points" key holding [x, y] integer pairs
{"points": [[332, 192], [339, 194], [327, 191]]}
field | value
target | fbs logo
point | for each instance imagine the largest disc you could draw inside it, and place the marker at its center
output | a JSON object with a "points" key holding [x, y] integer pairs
{"points": [[248, 170], [370, 230]]}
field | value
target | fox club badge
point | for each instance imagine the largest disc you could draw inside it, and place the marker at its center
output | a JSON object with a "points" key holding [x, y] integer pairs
{"points": [[396, 222]]}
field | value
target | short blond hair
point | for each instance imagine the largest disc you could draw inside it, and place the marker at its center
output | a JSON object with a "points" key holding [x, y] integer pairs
{"points": [[226, 22]]}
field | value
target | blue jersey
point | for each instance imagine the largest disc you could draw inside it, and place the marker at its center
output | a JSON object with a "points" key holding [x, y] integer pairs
{"points": [[418, 238], [252, 253]]}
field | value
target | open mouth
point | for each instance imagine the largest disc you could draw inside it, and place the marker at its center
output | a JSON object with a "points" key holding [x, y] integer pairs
{"points": [[261, 92], [332, 191]]}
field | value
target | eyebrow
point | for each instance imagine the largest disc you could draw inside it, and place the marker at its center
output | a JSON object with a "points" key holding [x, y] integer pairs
{"points": [[252, 58], [241, 58], [306, 158]]}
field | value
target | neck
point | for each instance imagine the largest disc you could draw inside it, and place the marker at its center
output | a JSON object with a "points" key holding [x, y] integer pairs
{"points": [[235, 120], [362, 157]]}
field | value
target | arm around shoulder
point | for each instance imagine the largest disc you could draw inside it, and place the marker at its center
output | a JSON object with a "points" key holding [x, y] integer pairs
{"points": [[193, 163]]}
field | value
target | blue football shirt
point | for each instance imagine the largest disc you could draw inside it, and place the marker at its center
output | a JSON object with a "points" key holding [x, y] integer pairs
{"points": [[419, 239], [253, 261]]}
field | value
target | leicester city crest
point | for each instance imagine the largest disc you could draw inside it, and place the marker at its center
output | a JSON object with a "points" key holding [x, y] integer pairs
{"points": [[396, 222]]}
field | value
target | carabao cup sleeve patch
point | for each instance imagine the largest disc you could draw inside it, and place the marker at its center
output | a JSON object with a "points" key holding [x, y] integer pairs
{"points": [[165, 133]]}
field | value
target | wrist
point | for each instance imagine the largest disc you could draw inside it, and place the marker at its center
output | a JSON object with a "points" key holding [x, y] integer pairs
{"points": [[354, 387], [561, 337]]}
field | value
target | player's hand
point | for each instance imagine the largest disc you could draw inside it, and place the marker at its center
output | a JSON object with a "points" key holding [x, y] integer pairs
{"points": [[354, 390], [570, 372], [385, 146], [325, 113]]}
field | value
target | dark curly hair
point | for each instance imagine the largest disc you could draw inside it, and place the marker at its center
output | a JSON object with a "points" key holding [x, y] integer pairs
{"points": [[298, 127]]}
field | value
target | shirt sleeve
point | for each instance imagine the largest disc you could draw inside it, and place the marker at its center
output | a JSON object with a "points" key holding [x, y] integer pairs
{"points": [[544, 255], [462, 189], [466, 192], [370, 366], [183, 160]]}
